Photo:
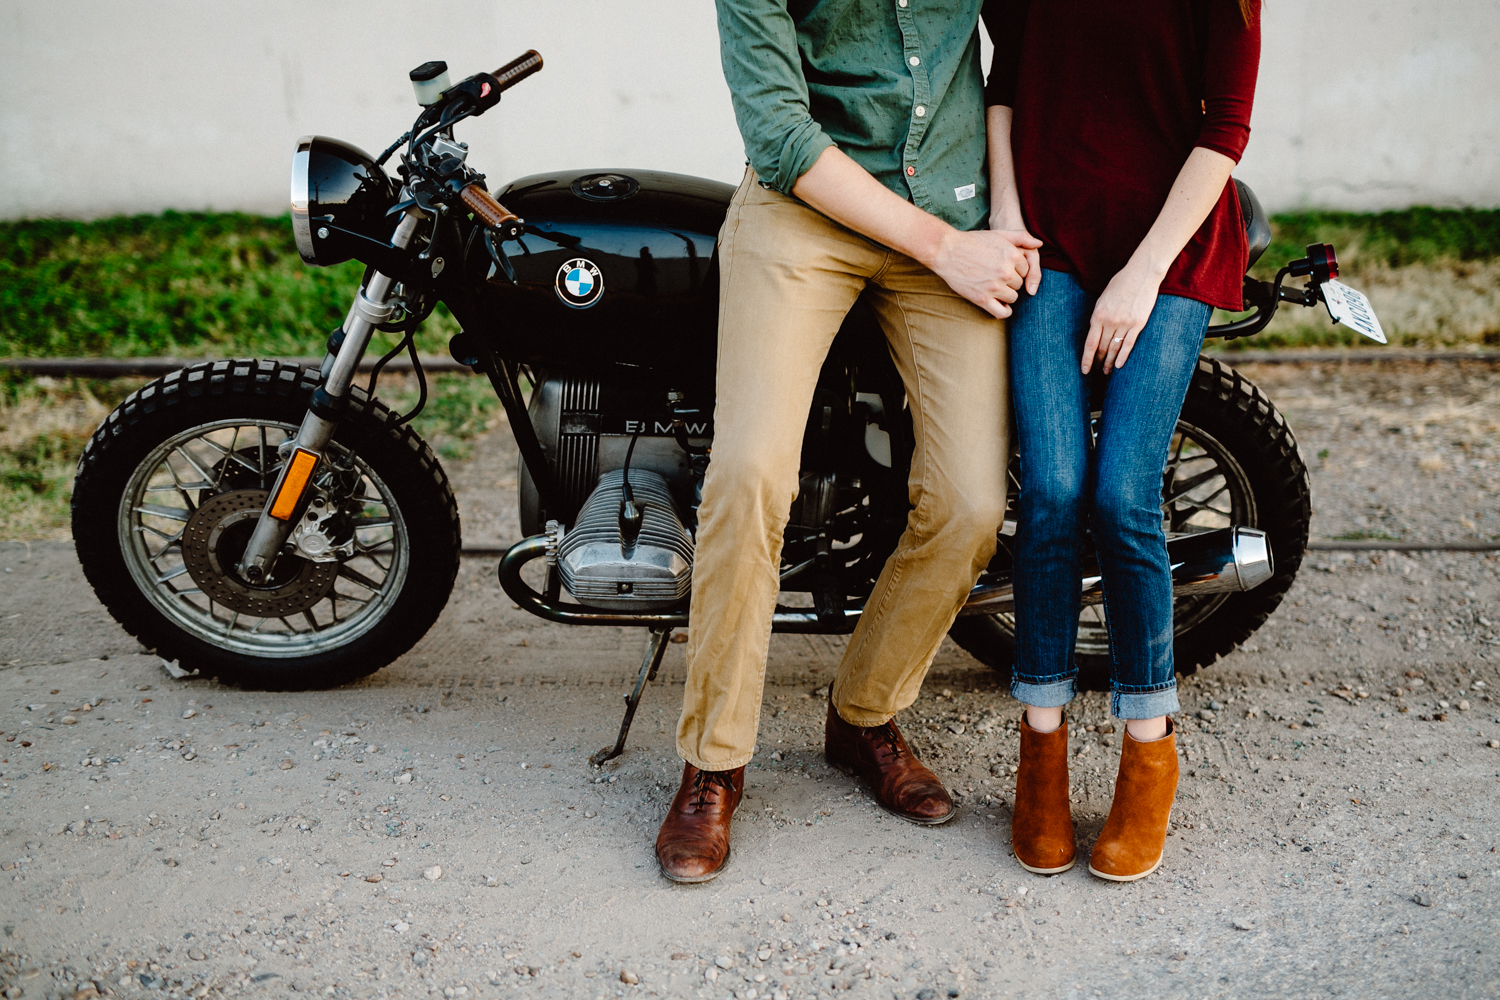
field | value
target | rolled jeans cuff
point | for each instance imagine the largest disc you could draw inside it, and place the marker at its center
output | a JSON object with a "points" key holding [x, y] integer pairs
{"points": [[1049, 694], [1143, 704]]}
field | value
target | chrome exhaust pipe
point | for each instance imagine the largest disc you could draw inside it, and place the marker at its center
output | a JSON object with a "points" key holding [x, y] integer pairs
{"points": [[1223, 561]]}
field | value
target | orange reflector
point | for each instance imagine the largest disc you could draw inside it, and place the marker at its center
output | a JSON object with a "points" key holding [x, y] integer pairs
{"points": [[297, 475]]}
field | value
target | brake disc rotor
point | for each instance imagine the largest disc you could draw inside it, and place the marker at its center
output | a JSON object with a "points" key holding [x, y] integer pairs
{"points": [[215, 539]]}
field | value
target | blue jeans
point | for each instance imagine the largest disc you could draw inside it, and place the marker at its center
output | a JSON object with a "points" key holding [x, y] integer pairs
{"points": [[1069, 481]]}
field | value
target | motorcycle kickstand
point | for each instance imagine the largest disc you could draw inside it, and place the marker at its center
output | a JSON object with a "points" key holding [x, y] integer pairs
{"points": [[654, 652]]}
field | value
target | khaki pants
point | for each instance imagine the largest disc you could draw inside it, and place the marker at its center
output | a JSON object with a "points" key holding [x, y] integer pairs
{"points": [[788, 276]]}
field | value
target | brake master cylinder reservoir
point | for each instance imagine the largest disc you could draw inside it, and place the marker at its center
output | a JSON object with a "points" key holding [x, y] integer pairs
{"points": [[429, 80]]}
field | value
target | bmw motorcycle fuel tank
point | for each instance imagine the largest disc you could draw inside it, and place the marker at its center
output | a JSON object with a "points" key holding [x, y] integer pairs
{"points": [[615, 268]]}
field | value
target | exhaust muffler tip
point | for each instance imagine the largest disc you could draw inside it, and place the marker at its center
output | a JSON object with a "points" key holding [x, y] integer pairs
{"points": [[1253, 562]]}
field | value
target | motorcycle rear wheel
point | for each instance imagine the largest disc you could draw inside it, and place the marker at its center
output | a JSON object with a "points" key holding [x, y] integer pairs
{"points": [[204, 440], [1257, 480]]}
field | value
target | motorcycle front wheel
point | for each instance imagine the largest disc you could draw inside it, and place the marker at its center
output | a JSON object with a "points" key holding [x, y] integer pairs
{"points": [[171, 484], [1233, 461]]}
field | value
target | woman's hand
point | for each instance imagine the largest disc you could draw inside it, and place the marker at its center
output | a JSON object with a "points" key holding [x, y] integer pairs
{"points": [[1015, 231], [1119, 317], [1122, 311]]}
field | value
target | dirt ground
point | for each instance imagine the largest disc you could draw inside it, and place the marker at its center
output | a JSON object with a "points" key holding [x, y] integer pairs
{"points": [[437, 830]]}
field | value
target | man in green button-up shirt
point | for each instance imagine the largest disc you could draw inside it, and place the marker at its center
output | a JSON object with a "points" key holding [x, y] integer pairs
{"points": [[895, 86], [864, 128]]}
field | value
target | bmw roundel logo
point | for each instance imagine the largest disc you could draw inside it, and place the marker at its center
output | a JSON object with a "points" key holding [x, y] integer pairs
{"points": [[579, 283]]}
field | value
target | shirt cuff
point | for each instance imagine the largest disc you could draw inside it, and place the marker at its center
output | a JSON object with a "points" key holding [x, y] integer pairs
{"points": [[799, 151], [1230, 142]]}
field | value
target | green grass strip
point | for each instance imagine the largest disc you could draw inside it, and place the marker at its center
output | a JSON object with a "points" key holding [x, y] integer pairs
{"points": [[204, 284]]}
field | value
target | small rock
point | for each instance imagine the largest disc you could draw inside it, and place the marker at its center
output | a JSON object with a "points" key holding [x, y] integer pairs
{"points": [[1207, 714], [629, 978], [401, 927], [955, 729], [68, 720], [724, 962], [433, 874], [1214, 704], [711, 974], [1493, 744], [1422, 899], [1107, 729], [287, 765], [1241, 924], [374, 878], [776, 755], [403, 779], [764, 954], [926, 994], [1181, 956], [1463, 706], [190, 713], [197, 954]]}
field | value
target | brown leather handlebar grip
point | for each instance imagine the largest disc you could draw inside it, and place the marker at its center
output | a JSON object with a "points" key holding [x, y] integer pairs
{"points": [[518, 69], [487, 209]]}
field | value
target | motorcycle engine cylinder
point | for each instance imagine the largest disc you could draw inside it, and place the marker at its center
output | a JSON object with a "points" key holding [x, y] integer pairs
{"points": [[600, 570]]}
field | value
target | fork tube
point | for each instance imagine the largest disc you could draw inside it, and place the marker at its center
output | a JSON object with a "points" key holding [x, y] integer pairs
{"points": [[371, 307]]}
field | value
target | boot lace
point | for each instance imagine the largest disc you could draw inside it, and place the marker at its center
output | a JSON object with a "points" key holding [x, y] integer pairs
{"points": [[890, 736], [703, 785]]}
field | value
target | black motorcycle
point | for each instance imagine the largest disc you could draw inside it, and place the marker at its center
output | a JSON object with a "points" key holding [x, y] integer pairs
{"points": [[281, 527]]}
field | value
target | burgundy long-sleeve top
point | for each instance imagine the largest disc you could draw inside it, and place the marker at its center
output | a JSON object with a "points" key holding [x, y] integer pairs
{"points": [[1109, 99]]}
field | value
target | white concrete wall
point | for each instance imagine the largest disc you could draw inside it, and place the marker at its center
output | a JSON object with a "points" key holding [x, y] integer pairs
{"points": [[116, 107]]}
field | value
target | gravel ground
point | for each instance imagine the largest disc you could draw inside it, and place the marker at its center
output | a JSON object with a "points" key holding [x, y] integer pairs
{"points": [[436, 830]]}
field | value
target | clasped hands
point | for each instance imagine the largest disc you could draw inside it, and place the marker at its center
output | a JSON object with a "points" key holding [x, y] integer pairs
{"points": [[989, 266]]}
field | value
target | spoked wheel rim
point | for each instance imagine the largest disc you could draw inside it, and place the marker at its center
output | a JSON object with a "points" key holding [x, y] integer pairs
{"points": [[228, 465], [1203, 488]]}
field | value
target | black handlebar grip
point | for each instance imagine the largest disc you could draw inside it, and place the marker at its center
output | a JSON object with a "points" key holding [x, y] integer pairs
{"points": [[518, 69]]}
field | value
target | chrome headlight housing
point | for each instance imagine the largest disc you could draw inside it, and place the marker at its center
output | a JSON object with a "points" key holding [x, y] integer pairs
{"points": [[340, 197]]}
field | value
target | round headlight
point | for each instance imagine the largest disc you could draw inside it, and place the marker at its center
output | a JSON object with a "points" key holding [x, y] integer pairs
{"points": [[339, 202]]}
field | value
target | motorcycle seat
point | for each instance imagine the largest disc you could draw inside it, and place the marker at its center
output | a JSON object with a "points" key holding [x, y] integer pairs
{"points": [[1257, 226]]}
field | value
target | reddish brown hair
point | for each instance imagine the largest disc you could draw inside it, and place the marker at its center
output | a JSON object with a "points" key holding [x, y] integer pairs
{"points": [[1247, 11]]}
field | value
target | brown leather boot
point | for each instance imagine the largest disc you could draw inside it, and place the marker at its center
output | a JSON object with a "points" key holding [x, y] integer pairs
{"points": [[1041, 825], [693, 844], [1130, 845], [903, 785]]}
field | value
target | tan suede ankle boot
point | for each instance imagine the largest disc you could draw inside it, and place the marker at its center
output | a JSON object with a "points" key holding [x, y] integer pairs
{"points": [[1041, 826], [1130, 845]]}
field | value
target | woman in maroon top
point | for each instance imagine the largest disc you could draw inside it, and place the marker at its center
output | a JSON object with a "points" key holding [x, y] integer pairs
{"points": [[1113, 130]]}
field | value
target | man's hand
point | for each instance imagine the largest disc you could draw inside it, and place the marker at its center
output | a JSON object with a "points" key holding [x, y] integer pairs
{"points": [[987, 267], [984, 267]]}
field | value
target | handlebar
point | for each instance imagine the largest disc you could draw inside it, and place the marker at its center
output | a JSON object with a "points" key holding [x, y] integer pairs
{"points": [[518, 69], [491, 212]]}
